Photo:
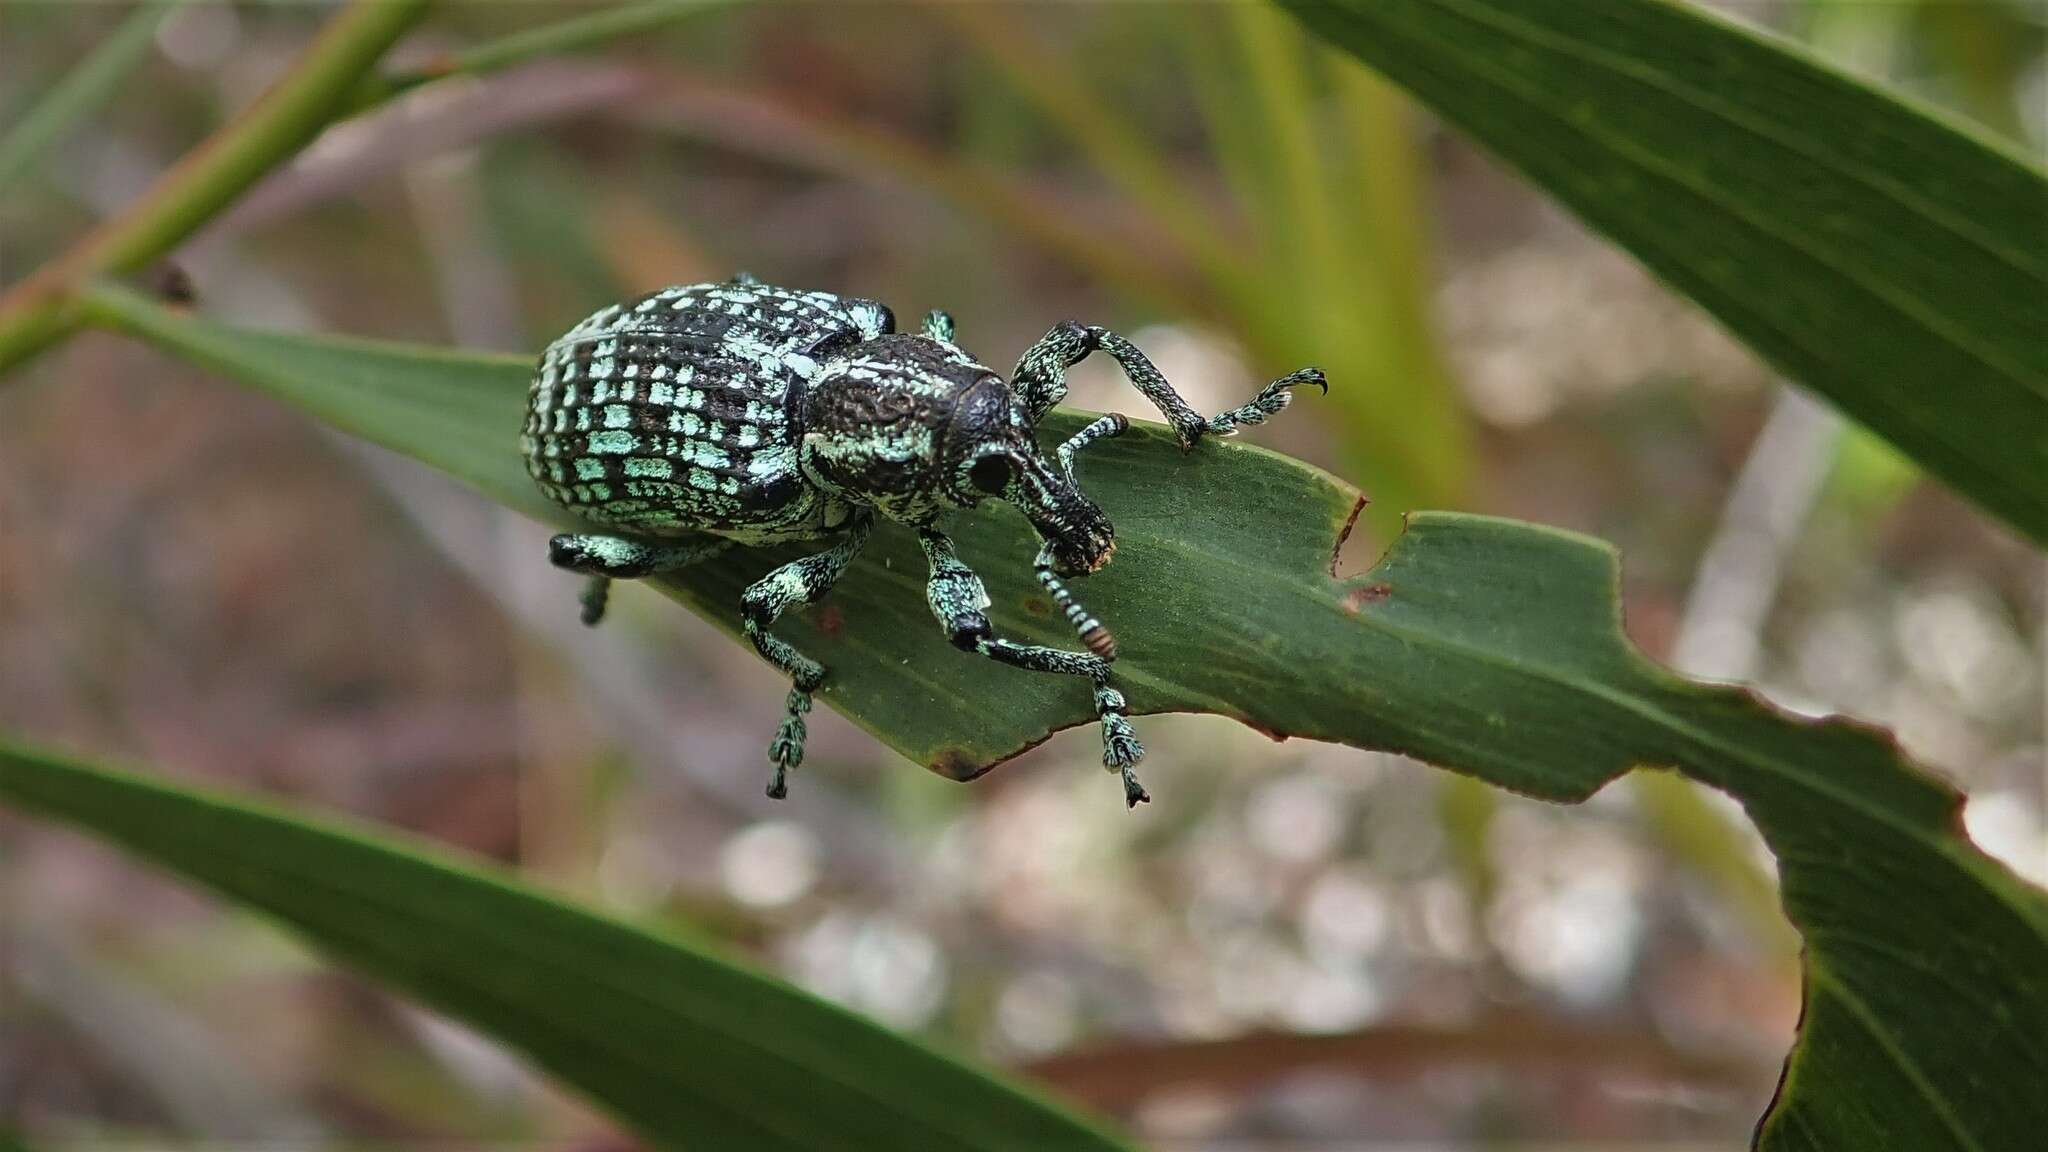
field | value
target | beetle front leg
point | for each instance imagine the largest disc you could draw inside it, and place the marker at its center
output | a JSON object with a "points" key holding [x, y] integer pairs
{"points": [[798, 582], [959, 600], [608, 558], [1268, 403], [1040, 382]]}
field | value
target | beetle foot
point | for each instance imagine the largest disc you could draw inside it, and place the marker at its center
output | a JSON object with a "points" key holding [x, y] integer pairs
{"points": [[597, 593], [786, 751], [1134, 792], [1268, 403], [1120, 747]]}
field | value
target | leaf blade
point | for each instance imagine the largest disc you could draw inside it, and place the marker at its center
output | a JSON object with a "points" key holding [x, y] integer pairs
{"points": [[1488, 646], [689, 1048], [1884, 259]]}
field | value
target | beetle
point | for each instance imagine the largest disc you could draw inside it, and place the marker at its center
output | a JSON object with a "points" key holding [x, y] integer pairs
{"points": [[705, 417]]}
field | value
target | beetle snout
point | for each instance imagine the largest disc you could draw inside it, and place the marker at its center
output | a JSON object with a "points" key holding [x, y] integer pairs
{"points": [[1085, 552], [1078, 535]]}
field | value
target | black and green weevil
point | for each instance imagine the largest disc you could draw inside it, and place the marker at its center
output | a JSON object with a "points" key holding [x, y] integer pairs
{"points": [[701, 418]]}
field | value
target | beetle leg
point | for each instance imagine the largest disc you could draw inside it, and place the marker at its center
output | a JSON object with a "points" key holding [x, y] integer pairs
{"points": [[1267, 404], [605, 558], [1103, 428], [801, 581], [1040, 382], [939, 325], [959, 601]]}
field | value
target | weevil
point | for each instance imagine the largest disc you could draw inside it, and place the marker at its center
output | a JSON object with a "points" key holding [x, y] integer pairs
{"points": [[706, 417]]}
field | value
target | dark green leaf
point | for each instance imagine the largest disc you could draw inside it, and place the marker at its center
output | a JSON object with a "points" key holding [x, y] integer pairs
{"points": [[1483, 645], [688, 1048], [1892, 263]]}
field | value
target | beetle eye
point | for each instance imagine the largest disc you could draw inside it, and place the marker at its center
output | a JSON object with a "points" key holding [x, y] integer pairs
{"points": [[991, 474]]}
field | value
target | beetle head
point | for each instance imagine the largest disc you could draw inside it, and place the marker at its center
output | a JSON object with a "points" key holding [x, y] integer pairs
{"points": [[991, 451]]}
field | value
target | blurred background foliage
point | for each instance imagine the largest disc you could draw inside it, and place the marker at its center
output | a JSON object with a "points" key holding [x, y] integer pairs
{"points": [[1295, 942]]}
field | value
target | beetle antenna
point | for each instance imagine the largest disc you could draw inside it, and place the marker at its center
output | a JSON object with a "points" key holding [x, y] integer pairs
{"points": [[1098, 638]]}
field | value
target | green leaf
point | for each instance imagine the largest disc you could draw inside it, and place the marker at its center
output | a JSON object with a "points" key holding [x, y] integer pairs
{"points": [[1483, 645], [688, 1048], [1891, 262], [1011, 50]]}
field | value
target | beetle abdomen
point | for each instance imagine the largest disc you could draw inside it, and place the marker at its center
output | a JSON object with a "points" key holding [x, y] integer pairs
{"points": [[682, 411]]}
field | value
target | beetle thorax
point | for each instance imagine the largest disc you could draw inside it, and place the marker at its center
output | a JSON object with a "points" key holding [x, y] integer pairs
{"points": [[879, 421]]}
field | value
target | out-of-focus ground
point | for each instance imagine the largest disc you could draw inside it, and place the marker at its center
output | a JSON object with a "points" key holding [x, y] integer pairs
{"points": [[1296, 946]]}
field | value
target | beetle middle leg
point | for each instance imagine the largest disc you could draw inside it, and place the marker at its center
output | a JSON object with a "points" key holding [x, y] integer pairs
{"points": [[1040, 382], [797, 582], [959, 600], [608, 558]]}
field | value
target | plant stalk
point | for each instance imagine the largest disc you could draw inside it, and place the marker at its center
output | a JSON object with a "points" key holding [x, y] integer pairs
{"points": [[89, 84], [43, 308], [546, 41]]}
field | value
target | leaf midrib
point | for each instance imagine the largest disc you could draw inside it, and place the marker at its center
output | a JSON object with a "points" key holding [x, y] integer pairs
{"points": [[1822, 979]]}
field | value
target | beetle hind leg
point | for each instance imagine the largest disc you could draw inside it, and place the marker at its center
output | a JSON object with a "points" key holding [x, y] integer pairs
{"points": [[607, 558], [786, 751]]}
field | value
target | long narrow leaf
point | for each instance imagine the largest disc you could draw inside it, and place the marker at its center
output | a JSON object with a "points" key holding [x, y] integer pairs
{"points": [[1890, 262], [762, 125], [1413, 413], [688, 1048], [1276, 60], [1483, 645], [1109, 141]]}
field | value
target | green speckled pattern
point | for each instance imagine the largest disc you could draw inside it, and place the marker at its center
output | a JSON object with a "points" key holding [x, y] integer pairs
{"points": [[698, 417], [682, 411]]}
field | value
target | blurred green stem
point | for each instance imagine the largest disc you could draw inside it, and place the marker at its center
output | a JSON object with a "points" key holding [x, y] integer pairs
{"points": [[43, 308], [1118, 150], [1237, 134], [757, 123], [1389, 237], [1301, 268], [548, 40], [82, 91]]}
